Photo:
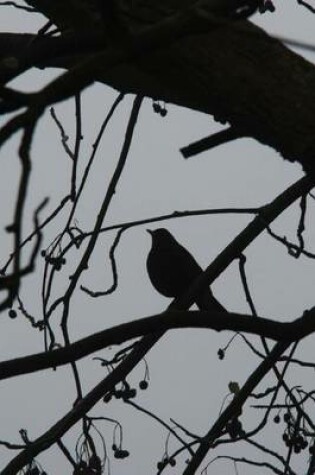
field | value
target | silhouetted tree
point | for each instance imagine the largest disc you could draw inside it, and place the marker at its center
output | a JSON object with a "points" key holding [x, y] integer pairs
{"points": [[205, 55]]}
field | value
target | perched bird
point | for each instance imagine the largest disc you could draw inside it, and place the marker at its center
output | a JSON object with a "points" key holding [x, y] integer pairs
{"points": [[172, 269]]}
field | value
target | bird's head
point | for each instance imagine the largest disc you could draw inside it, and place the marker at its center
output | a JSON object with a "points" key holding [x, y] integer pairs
{"points": [[161, 237]]}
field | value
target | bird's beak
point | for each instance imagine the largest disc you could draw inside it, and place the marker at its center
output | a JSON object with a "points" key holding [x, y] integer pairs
{"points": [[150, 232]]}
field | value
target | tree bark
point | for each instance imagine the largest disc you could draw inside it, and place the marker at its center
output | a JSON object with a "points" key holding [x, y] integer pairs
{"points": [[230, 69]]}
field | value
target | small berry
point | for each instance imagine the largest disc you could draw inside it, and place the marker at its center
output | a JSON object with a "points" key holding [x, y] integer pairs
{"points": [[57, 265], [132, 393], [118, 454], [124, 454], [234, 428], [107, 397], [156, 107], [268, 6], [143, 384], [287, 417], [276, 419], [221, 354], [12, 313], [234, 387], [118, 394]]}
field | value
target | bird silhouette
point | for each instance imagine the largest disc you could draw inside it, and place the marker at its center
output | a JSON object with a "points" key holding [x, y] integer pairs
{"points": [[172, 269]]}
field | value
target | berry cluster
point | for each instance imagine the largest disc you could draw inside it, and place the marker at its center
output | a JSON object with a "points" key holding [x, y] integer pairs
{"points": [[57, 262], [221, 354], [266, 6], [293, 435], [234, 428], [159, 109], [92, 467], [120, 453], [166, 461], [126, 392]]}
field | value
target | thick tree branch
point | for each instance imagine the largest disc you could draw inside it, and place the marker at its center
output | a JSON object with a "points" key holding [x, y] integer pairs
{"points": [[219, 321], [231, 69]]}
